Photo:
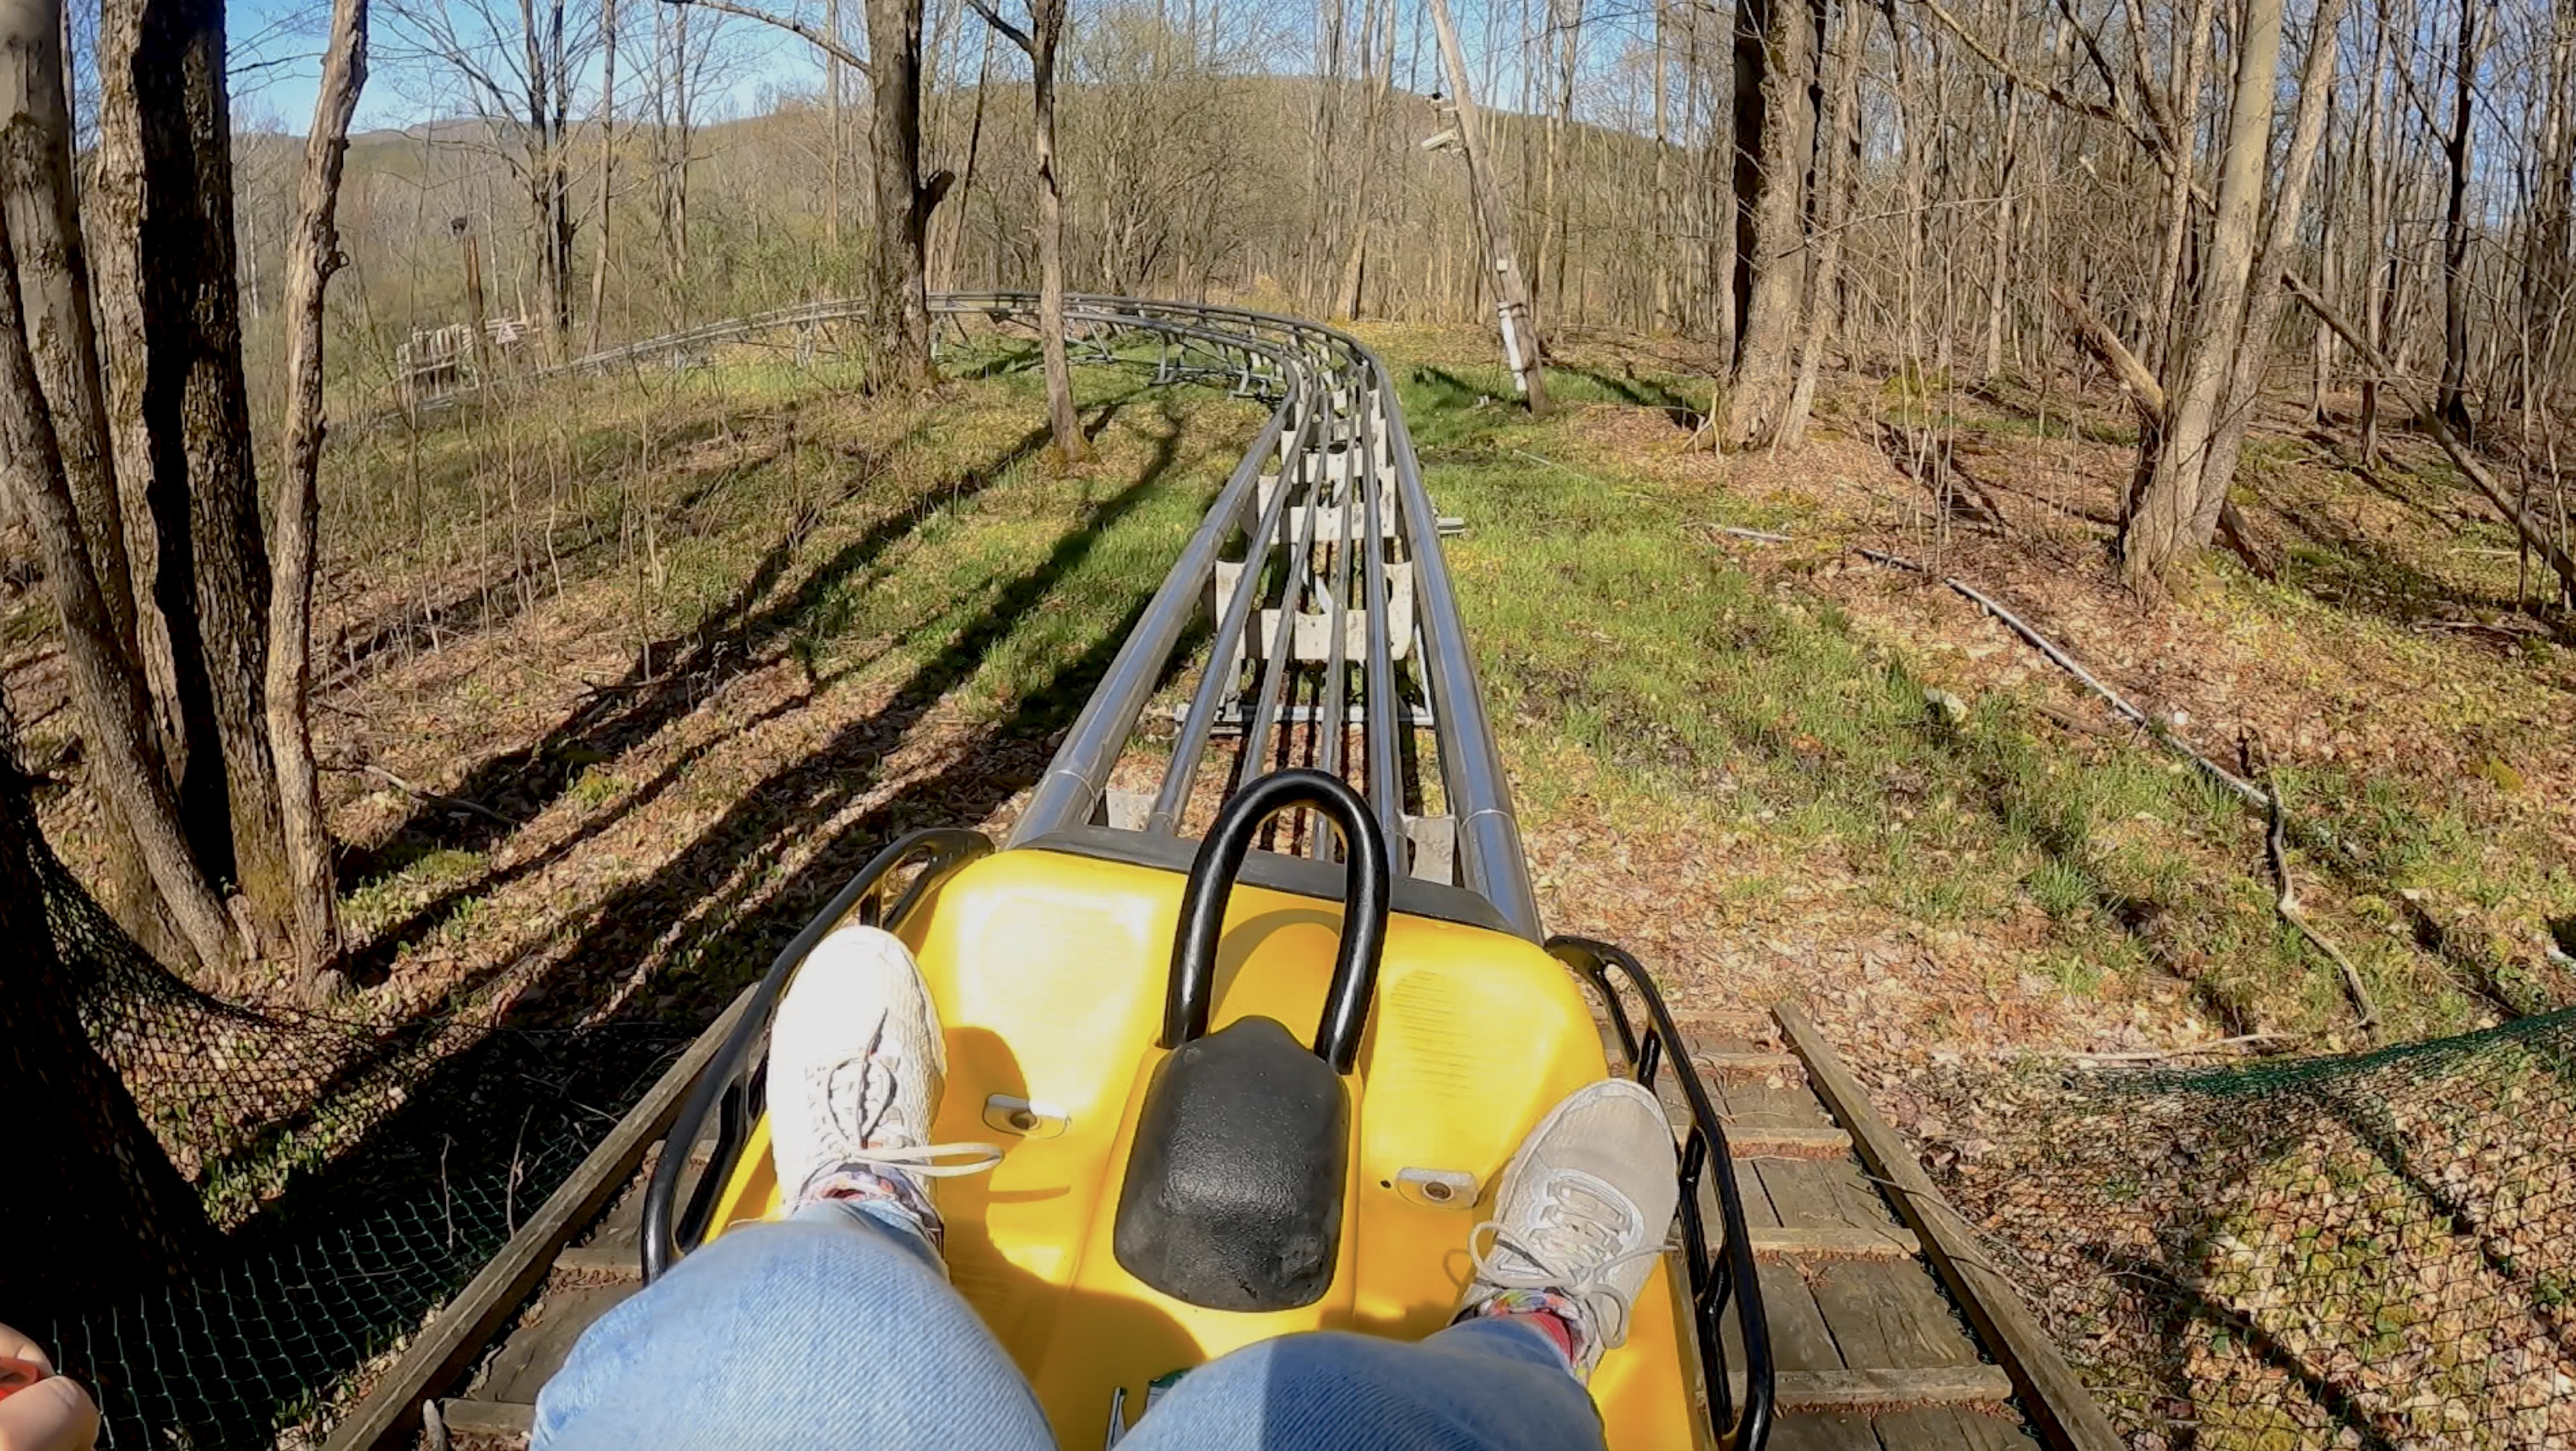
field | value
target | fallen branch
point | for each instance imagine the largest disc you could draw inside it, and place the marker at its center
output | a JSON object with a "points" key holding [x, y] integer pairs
{"points": [[1761, 536], [433, 797], [2276, 848], [2243, 1043], [2243, 789], [2532, 531]]}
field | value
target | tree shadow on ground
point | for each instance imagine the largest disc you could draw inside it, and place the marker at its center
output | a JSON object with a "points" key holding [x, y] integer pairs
{"points": [[748, 633], [698, 911], [555, 1069], [1681, 408], [2343, 567]]}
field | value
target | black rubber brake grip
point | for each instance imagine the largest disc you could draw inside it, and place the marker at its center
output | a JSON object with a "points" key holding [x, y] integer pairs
{"points": [[1367, 887]]}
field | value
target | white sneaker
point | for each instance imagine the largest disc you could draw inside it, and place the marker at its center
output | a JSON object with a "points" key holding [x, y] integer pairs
{"points": [[856, 1065], [1581, 1216]]}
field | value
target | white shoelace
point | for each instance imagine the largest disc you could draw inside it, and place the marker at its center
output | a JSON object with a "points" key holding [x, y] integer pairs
{"points": [[1571, 1247]]}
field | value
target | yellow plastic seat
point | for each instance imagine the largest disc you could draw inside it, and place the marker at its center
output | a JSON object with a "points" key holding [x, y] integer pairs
{"points": [[1050, 968]]}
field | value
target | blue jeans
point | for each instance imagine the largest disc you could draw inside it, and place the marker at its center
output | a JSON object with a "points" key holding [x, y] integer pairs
{"points": [[837, 1330]]}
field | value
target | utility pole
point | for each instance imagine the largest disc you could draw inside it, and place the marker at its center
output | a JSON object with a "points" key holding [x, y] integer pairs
{"points": [[1511, 295]]}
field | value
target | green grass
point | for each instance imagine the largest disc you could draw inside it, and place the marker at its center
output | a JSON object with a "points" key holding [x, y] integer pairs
{"points": [[1609, 626]]}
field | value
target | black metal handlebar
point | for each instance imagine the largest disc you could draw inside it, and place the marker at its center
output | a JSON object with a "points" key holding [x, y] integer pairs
{"points": [[1364, 906], [1731, 1275]]}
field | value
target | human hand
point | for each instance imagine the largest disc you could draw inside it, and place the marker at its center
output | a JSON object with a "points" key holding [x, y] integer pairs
{"points": [[54, 1414]]}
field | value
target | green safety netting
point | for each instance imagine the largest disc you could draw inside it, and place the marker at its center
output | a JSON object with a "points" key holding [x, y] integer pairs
{"points": [[361, 1173], [2368, 1251]]}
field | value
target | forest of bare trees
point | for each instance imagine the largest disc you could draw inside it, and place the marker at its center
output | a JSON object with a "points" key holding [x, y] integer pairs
{"points": [[1950, 192], [2362, 214]]}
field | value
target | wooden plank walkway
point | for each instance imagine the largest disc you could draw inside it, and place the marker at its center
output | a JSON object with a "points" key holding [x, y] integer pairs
{"points": [[1872, 1350]]}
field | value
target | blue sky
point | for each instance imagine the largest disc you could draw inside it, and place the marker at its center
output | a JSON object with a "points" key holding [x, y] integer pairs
{"points": [[277, 65]]}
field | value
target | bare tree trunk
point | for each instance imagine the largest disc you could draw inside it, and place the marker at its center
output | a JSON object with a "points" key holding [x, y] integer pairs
{"points": [[54, 289], [832, 205], [2181, 145], [607, 160], [904, 204], [155, 509], [97, 1200], [164, 59], [2280, 244], [297, 508], [2453, 402], [1774, 67], [1998, 261], [1046, 31], [2162, 531], [2378, 260], [1837, 157], [116, 718]]}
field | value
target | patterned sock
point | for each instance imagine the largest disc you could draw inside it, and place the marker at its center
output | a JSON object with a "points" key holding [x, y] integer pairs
{"points": [[1553, 1312], [853, 1182]]}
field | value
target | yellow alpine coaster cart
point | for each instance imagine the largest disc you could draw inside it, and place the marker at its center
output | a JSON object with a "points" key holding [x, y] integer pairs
{"points": [[1242, 1093]]}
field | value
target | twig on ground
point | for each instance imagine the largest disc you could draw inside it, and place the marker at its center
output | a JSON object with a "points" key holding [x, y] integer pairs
{"points": [[2076, 723], [2276, 847], [459, 802], [1762, 536]]}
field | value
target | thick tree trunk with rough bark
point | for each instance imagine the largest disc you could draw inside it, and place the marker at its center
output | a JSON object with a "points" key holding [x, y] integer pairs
{"points": [[1775, 65], [296, 510], [173, 354], [897, 289], [94, 1209], [54, 291], [1837, 163], [116, 722], [2162, 531]]}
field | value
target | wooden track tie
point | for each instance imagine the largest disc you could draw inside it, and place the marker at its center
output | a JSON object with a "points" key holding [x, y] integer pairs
{"points": [[483, 1422], [1875, 1390], [1837, 1242]]}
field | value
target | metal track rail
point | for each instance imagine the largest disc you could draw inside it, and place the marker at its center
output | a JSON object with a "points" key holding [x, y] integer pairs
{"points": [[1320, 566]]}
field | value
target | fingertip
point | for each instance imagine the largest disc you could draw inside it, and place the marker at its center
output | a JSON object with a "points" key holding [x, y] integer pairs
{"points": [[17, 1345], [54, 1414]]}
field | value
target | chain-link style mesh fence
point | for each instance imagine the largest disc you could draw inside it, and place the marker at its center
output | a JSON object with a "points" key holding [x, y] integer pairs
{"points": [[2371, 1251], [362, 1174]]}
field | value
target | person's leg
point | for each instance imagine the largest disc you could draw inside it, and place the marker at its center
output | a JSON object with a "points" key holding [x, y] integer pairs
{"points": [[834, 1328], [1578, 1222], [837, 1326]]}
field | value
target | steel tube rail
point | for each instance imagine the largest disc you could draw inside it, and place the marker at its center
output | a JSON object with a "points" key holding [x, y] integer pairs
{"points": [[1386, 794], [1490, 857], [1071, 787], [1328, 701]]}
